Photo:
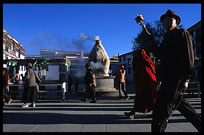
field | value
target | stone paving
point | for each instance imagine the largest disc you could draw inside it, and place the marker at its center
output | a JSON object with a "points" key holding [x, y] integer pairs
{"points": [[73, 115]]}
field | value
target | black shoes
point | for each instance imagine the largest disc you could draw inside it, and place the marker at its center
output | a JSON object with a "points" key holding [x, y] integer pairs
{"points": [[32, 105], [121, 98], [130, 115], [84, 100], [94, 101]]}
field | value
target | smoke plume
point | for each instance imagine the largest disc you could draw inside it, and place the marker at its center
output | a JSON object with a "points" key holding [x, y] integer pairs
{"points": [[44, 40], [96, 65], [80, 41]]}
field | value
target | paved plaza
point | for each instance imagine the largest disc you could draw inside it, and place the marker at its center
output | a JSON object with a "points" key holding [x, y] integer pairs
{"points": [[73, 115]]}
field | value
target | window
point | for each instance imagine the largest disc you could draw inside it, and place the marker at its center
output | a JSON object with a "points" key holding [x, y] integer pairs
{"points": [[7, 44], [19, 52], [129, 61], [124, 58], [198, 36], [13, 43], [129, 70]]}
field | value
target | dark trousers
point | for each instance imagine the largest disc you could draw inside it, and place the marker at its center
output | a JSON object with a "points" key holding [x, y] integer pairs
{"points": [[76, 87], [121, 86], [25, 93], [5, 96], [168, 100], [90, 92], [31, 94], [70, 88]]}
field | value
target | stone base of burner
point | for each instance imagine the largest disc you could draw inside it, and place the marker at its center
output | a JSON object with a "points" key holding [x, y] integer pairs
{"points": [[105, 86]]}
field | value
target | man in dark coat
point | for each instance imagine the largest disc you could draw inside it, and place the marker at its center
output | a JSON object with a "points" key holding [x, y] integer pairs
{"points": [[89, 84], [31, 86], [177, 64]]}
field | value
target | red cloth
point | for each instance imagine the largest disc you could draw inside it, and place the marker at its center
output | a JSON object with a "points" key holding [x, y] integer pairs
{"points": [[145, 82], [4, 74]]}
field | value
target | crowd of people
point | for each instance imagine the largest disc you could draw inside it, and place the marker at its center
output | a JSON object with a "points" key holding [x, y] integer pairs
{"points": [[176, 68]]}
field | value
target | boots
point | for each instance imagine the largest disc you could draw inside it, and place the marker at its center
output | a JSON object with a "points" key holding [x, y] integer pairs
{"points": [[93, 101], [130, 115], [84, 99]]}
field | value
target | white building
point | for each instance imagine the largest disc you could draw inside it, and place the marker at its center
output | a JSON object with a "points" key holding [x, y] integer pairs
{"points": [[13, 49], [58, 71]]}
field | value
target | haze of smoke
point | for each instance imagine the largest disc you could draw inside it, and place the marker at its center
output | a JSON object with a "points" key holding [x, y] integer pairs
{"points": [[43, 40], [97, 65], [79, 74], [80, 41], [49, 41]]}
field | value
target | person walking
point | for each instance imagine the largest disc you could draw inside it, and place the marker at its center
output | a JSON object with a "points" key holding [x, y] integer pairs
{"points": [[177, 63], [31, 86], [121, 82], [5, 84], [90, 84], [145, 83]]}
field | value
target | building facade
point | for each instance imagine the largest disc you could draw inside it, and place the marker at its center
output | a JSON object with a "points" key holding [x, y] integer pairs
{"points": [[195, 32], [126, 60], [13, 49]]}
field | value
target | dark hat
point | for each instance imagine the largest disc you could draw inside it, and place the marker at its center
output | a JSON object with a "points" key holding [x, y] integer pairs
{"points": [[29, 65], [172, 14], [87, 65]]}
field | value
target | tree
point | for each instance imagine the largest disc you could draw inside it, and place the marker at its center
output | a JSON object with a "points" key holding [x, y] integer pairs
{"points": [[157, 31]]}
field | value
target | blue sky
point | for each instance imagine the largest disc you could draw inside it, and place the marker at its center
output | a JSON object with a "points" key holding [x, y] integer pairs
{"points": [[74, 26]]}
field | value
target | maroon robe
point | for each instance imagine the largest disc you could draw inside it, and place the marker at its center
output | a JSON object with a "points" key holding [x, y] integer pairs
{"points": [[145, 82]]}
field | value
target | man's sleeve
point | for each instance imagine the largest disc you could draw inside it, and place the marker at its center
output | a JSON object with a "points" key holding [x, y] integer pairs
{"points": [[188, 55]]}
